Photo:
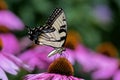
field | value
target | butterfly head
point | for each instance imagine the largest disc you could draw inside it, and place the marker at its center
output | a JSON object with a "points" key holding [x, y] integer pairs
{"points": [[34, 33]]}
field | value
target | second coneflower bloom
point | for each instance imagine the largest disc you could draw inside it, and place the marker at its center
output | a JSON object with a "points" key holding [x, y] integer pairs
{"points": [[60, 69]]}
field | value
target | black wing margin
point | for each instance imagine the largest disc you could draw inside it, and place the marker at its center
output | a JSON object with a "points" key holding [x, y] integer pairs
{"points": [[55, 14]]}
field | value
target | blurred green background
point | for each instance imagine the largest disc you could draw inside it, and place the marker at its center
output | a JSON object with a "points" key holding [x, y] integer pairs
{"points": [[83, 16]]}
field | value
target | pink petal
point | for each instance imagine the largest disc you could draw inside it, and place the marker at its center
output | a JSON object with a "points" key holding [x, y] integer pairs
{"points": [[37, 57], [106, 66], [57, 77], [49, 76], [18, 62], [8, 65], [117, 75], [84, 57], [11, 46], [10, 20], [3, 76], [75, 78]]}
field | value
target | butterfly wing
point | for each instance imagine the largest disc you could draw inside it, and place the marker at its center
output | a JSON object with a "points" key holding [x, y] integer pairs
{"points": [[54, 31]]}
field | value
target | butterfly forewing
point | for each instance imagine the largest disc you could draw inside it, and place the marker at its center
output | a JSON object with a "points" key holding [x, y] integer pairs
{"points": [[56, 38]]}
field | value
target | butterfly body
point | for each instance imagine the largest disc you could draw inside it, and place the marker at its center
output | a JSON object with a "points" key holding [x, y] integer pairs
{"points": [[53, 33]]}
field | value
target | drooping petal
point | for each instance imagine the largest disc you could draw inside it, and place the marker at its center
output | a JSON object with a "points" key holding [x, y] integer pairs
{"points": [[37, 57], [18, 62], [3, 76], [8, 65], [50, 76]]}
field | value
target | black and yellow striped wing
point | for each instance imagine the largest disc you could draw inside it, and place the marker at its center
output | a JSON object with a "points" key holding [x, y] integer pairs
{"points": [[55, 30]]}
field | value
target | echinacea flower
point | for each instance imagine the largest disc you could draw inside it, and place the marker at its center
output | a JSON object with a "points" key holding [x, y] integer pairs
{"points": [[60, 69], [105, 67], [10, 20], [101, 66], [106, 58], [9, 63]]}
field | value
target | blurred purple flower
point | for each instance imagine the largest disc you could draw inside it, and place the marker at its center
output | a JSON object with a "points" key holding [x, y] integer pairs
{"points": [[25, 42], [116, 75], [106, 66], [10, 20], [38, 56], [50, 76], [84, 57], [102, 13], [102, 67], [10, 43], [9, 63]]}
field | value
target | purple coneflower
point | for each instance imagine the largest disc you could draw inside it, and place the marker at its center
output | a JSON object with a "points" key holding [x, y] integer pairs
{"points": [[98, 64], [9, 63], [60, 69], [105, 67]]}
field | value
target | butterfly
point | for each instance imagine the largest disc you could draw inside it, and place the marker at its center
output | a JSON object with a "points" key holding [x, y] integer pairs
{"points": [[53, 33]]}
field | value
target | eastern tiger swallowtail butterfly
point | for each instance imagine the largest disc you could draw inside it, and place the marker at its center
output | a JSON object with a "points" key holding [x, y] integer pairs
{"points": [[53, 33]]}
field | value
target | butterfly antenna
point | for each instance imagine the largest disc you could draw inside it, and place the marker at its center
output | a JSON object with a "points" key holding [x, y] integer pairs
{"points": [[28, 28]]}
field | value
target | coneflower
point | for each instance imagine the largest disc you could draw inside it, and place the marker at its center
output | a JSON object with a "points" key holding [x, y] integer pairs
{"points": [[60, 69]]}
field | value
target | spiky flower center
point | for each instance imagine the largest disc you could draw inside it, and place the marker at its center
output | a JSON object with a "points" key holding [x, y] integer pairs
{"points": [[61, 66]]}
